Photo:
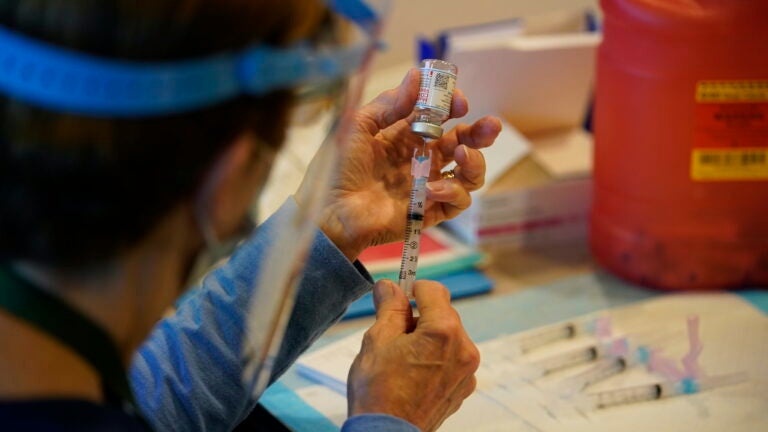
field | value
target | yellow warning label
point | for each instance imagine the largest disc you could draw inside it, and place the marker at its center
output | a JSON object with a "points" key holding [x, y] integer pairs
{"points": [[729, 164], [732, 91]]}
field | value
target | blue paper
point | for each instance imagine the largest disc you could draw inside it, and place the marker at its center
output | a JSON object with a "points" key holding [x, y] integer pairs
{"points": [[460, 285]]}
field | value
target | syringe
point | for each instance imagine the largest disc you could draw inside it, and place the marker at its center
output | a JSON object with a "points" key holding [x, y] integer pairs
{"points": [[624, 355], [573, 357], [420, 167], [567, 359], [603, 370], [659, 390], [567, 330], [621, 356]]}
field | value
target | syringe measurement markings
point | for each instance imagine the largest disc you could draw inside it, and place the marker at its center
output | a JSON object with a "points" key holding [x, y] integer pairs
{"points": [[629, 395], [414, 222], [409, 242], [660, 390]]}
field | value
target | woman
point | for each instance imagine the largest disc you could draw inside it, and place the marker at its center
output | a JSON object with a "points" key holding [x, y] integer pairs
{"points": [[102, 218]]}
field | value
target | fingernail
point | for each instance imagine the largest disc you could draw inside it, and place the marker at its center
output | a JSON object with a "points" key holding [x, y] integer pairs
{"points": [[382, 291], [410, 73], [465, 149], [436, 186]]}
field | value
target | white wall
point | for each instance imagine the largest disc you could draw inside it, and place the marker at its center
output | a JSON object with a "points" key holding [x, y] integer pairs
{"points": [[409, 18]]}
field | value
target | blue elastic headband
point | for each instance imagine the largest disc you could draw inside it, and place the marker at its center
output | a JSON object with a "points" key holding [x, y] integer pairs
{"points": [[63, 80]]}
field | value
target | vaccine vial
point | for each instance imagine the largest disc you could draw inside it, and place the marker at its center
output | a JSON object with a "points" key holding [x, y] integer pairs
{"points": [[438, 79]]}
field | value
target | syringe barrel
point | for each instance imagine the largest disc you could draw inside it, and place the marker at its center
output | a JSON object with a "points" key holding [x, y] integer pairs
{"points": [[412, 242], [627, 395]]}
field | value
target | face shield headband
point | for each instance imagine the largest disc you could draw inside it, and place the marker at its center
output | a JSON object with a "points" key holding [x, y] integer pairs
{"points": [[67, 81]]}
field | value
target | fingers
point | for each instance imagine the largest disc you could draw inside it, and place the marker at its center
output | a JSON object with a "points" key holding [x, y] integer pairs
{"points": [[461, 145], [434, 301], [393, 311], [479, 134], [421, 377], [438, 321], [392, 105], [469, 171], [470, 167], [463, 391], [445, 325], [459, 104], [468, 387], [451, 194], [397, 103]]}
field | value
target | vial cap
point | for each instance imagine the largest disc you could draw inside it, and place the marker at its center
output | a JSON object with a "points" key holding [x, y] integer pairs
{"points": [[427, 130]]}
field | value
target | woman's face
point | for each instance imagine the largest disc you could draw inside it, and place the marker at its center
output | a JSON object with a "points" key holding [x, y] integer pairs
{"points": [[247, 171]]}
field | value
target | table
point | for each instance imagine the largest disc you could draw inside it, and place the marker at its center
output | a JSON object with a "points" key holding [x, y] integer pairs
{"points": [[534, 288], [514, 270]]}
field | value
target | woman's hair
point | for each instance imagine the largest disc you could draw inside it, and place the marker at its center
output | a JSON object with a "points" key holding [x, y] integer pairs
{"points": [[76, 191]]}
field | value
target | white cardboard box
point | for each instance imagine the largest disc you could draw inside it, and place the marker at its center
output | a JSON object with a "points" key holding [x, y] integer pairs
{"points": [[528, 207], [541, 85]]}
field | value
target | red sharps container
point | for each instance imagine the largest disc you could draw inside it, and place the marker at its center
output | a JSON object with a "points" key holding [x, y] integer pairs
{"points": [[681, 136]]}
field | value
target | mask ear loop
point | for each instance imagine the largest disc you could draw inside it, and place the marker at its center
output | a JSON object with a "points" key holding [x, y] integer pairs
{"points": [[202, 209], [204, 225], [202, 260], [207, 256], [203, 203], [216, 249]]}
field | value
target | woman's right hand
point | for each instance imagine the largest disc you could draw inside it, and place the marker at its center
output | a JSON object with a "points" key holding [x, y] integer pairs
{"points": [[419, 369], [372, 185]]}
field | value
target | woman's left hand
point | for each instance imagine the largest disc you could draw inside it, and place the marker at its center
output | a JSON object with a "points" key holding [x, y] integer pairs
{"points": [[369, 200]]}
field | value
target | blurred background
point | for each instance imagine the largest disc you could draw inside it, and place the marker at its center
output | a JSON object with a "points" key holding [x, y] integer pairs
{"points": [[409, 19]]}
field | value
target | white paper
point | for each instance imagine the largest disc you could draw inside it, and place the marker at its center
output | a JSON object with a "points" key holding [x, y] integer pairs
{"points": [[324, 400], [734, 335], [330, 365]]}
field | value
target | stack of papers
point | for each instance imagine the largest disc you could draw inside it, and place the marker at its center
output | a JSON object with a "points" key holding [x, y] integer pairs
{"points": [[440, 254], [442, 258]]}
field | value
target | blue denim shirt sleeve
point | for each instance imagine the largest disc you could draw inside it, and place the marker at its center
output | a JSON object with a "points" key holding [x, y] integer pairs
{"points": [[187, 375], [377, 423]]}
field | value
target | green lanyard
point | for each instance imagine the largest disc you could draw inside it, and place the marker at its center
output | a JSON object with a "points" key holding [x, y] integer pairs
{"points": [[49, 314]]}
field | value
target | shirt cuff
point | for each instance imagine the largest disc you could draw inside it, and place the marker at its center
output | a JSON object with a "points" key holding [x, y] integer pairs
{"points": [[377, 423]]}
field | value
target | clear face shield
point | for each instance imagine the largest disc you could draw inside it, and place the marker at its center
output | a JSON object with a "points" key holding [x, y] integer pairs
{"points": [[327, 73], [332, 104]]}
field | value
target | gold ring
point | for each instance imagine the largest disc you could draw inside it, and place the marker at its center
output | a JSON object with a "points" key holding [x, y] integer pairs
{"points": [[448, 174]]}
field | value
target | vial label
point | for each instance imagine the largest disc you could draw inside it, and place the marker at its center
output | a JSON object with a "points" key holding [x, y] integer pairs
{"points": [[436, 90]]}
